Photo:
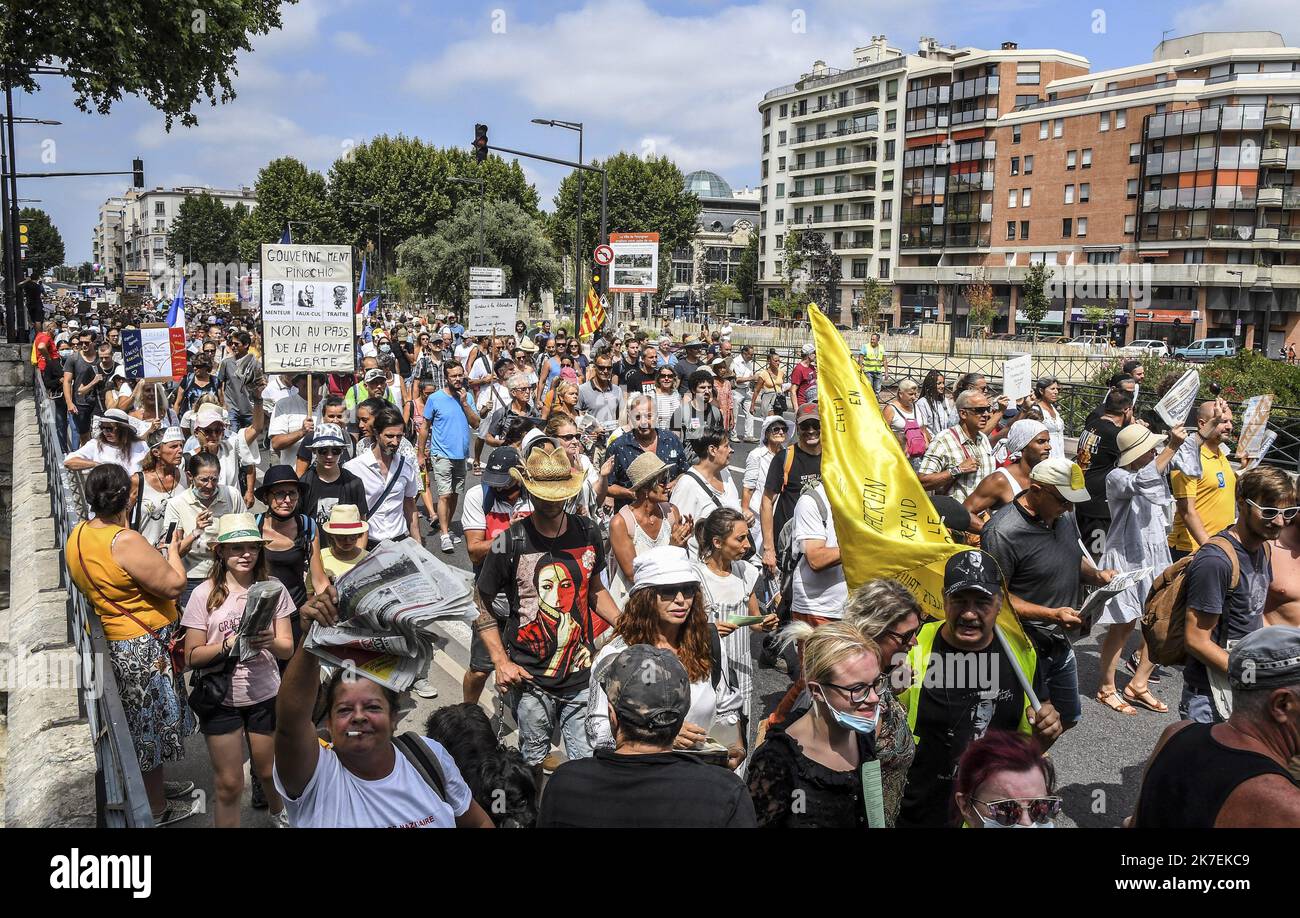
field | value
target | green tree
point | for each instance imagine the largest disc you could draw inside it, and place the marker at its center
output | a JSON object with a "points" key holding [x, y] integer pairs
{"points": [[437, 265], [287, 190], [719, 295], [823, 267], [205, 230], [44, 244], [1034, 301], [791, 264], [874, 297], [645, 196], [983, 309], [746, 274], [173, 55]]}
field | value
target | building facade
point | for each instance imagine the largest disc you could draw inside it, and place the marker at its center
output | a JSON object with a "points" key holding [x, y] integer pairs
{"points": [[108, 243], [728, 220]]}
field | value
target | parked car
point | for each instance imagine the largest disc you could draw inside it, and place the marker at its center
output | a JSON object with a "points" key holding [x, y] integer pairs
{"points": [[1203, 350], [1145, 347], [1090, 344]]}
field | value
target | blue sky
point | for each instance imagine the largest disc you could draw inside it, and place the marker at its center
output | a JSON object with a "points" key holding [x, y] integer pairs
{"points": [[666, 76]]}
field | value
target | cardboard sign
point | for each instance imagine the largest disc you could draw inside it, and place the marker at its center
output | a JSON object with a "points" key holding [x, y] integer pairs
{"points": [[1254, 425], [1178, 401], [307, 309], [1017, 371], [492, 316], [154, 353]]}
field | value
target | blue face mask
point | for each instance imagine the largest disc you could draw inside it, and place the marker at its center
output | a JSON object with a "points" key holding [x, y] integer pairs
{"points": [[864, 725]]}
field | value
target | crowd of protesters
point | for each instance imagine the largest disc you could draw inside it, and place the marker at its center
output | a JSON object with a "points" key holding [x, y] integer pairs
{"points": [[629, 584]]}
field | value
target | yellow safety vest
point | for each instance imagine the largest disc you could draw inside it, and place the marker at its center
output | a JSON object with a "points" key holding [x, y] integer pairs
{"points": [[919, 656], [873, 361]]}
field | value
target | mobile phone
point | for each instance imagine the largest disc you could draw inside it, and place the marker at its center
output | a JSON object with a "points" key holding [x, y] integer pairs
{"points": [[171, 530]]}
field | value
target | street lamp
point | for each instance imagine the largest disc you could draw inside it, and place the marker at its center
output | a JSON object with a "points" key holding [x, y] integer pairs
{"points": [[1236, 313], [482, 193], [577, 229], [379, 207]]}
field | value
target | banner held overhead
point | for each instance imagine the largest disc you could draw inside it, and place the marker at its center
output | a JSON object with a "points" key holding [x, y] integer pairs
{"points": [[307, 296]]}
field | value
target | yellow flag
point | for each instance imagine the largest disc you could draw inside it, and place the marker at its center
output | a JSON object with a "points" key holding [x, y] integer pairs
{"points": [[884, 520]]}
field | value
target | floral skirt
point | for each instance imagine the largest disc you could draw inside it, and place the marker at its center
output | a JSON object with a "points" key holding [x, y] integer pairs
{"points": [[153, 698]]}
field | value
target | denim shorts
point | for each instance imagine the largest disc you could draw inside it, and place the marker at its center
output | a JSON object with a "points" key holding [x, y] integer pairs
{"points": [[1197, 706], [537, 715], [1061, 673]]}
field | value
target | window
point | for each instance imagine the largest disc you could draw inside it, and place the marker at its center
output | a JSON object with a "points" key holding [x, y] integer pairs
{"points": [[859, 269], [889, 150], [1129, 221], [1012, 197], [780, 240], [1025, 197], [1193, 256], [886, 238], [764, 168], [1027, 73], [159, 226], [765, 188], [1069, 194], [891, 90], [1069, 159], [891, 124], [780, 189], [1026, 100], [1084, 192], [1132, 191], [767, 117], [1024, 229], [1015, 134], [887, 180], [780, 215], [160, 209], [780, 138], [780, 164], [1015, 165], [1011, 229], [1105, 122], [767, 142], [1067, 228], [1120, 121], [1042, 130], [883, 268], [886, 210], [1103, 258], [1083, 226], [1058, 127], [1029, 165], [1085, 156], [785, 109], [1135, 152]]}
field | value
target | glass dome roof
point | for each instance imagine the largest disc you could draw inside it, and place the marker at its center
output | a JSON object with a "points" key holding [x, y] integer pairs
{"points": [[708, 185]]}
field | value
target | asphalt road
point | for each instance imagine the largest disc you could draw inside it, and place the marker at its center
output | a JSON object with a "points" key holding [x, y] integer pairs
{"points": [[1098, 763]]}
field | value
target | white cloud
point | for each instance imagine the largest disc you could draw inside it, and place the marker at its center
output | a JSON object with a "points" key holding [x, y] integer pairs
{"points": [[300, 28], [353, 43], [1239, 15]]}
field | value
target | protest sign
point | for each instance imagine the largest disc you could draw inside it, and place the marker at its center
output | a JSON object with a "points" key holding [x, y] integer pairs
{"points": [[1016, 372], [154, 353], [1261, 450], [492, 316], [636, 263], [1254, 425], [307, 308], [1093, 605], [1178, 401]]}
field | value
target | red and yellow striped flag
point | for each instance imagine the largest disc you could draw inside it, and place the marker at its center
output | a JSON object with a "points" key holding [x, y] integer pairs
{"points": [[593, 314]]}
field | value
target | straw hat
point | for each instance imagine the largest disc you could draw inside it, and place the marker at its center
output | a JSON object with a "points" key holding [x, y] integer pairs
{"points": [[547, 473], [644, 469], [345, 519], [236, 528], [1134, 442]]}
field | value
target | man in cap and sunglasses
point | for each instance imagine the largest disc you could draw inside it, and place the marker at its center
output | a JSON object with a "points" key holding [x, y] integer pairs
{"points": [[548, 567], [964, 684], [326, 483]]}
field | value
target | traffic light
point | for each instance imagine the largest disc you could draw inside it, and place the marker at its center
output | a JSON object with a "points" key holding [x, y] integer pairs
{"points": [[597, 282], [22, 233], [480, 142], [137, 168]]}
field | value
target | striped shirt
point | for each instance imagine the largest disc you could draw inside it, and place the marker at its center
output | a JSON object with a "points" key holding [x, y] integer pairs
{"points": [[953, 447]]}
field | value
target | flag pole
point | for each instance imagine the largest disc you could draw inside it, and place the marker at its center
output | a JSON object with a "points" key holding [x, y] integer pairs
{"points": [[1030, 695]]}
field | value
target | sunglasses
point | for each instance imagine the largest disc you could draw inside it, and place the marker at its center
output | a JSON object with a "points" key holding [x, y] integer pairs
{"points": [[668, 593], [566, 437], [1271, 513], [1007, 813], [329, 451], [284, 495], [987, 409]]}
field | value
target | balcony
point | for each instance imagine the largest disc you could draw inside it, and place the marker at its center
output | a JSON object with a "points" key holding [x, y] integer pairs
{"points": [[933, 123], [1269, 197], [854, 188], [982, 214], [1274, 158], [1232, 233], [973, 115], [1266, 234], [854, 163], [872, 127], [833, 105], [1277, 116], [857, 216], [980, 86]]}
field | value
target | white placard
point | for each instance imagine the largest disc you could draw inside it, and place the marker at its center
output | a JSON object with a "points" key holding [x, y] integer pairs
{"points": [[494, 316], [1017, 371], [307, 308], [1178, 401], [636, 263], [1254, 425]]}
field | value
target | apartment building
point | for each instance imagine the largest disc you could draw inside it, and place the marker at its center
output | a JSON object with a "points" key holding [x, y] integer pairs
{"points": [[831, 145], [728, 219], [1163, 193], [107, 244]]}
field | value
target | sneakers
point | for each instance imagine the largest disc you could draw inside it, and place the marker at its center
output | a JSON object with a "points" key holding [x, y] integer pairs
{"points": [[258, 794], [550, 763], [456, 540], [1131, 664], [447, 545], [175, 812], [422, 688], [174, 790], [280, 820]]}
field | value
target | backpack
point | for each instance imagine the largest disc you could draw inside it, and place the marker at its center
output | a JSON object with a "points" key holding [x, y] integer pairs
{"points": [[789, 553], [1164, 614], [913, 439], [423, 760]]}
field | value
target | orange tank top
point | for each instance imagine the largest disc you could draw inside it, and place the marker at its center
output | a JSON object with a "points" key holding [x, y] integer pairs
{"points": [[90, 551]]}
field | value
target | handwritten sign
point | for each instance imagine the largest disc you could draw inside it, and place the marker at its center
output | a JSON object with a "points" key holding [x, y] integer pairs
{"points": [[1017, 371], [154, 353], [307, 308], [1178, 401], [1254, 425], [492, 316]]}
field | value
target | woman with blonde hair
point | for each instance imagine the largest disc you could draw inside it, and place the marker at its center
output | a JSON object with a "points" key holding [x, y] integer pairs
{"points": [[818, 756], [563, 400]]}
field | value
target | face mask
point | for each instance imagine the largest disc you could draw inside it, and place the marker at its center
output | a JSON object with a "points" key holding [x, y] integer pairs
{"points": [[864, 725], [994, 824]]}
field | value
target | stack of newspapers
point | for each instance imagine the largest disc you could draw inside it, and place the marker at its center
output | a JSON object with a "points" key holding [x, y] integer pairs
{"points": [[387, 606]]}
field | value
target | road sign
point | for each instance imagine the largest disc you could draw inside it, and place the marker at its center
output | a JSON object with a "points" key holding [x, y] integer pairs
{"points": [[603, 254], [487, 281]]}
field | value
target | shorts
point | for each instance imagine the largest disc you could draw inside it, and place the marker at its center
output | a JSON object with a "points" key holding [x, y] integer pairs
{"points": [[480, 661], [1061, 673], [255, 718], [448, 475], [538, 714]]}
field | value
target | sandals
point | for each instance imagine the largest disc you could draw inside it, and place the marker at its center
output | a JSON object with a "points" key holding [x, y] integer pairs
{"points": [[1113, 701], [1141, 700], [478, 469]]}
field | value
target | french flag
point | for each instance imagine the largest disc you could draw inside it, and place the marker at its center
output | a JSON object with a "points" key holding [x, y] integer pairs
{"points": [[372, 306], [361, 293], [176, 315]]}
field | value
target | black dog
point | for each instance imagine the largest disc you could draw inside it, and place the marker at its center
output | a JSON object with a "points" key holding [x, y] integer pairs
{"points": [[500, 780]]}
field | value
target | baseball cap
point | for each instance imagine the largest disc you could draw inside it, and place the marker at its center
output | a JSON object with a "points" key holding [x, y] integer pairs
{"points": [[1062, 474], [496, 474], [808, 348], [972, 570], [647, 686], [375, 374], [172, 435], [328, 435], [807, 411], [1265, 659]]}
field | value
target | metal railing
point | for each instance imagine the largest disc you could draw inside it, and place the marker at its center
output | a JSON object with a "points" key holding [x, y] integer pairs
{"points": [[119, 786]]}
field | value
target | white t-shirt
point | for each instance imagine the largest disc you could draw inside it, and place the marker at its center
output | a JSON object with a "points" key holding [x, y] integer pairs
{"points": [[288, 417], [235, 451], [691, 499], [387, 521], [335, 798], [93, 451], [743, 368], [463, 350], [823, 592]]}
